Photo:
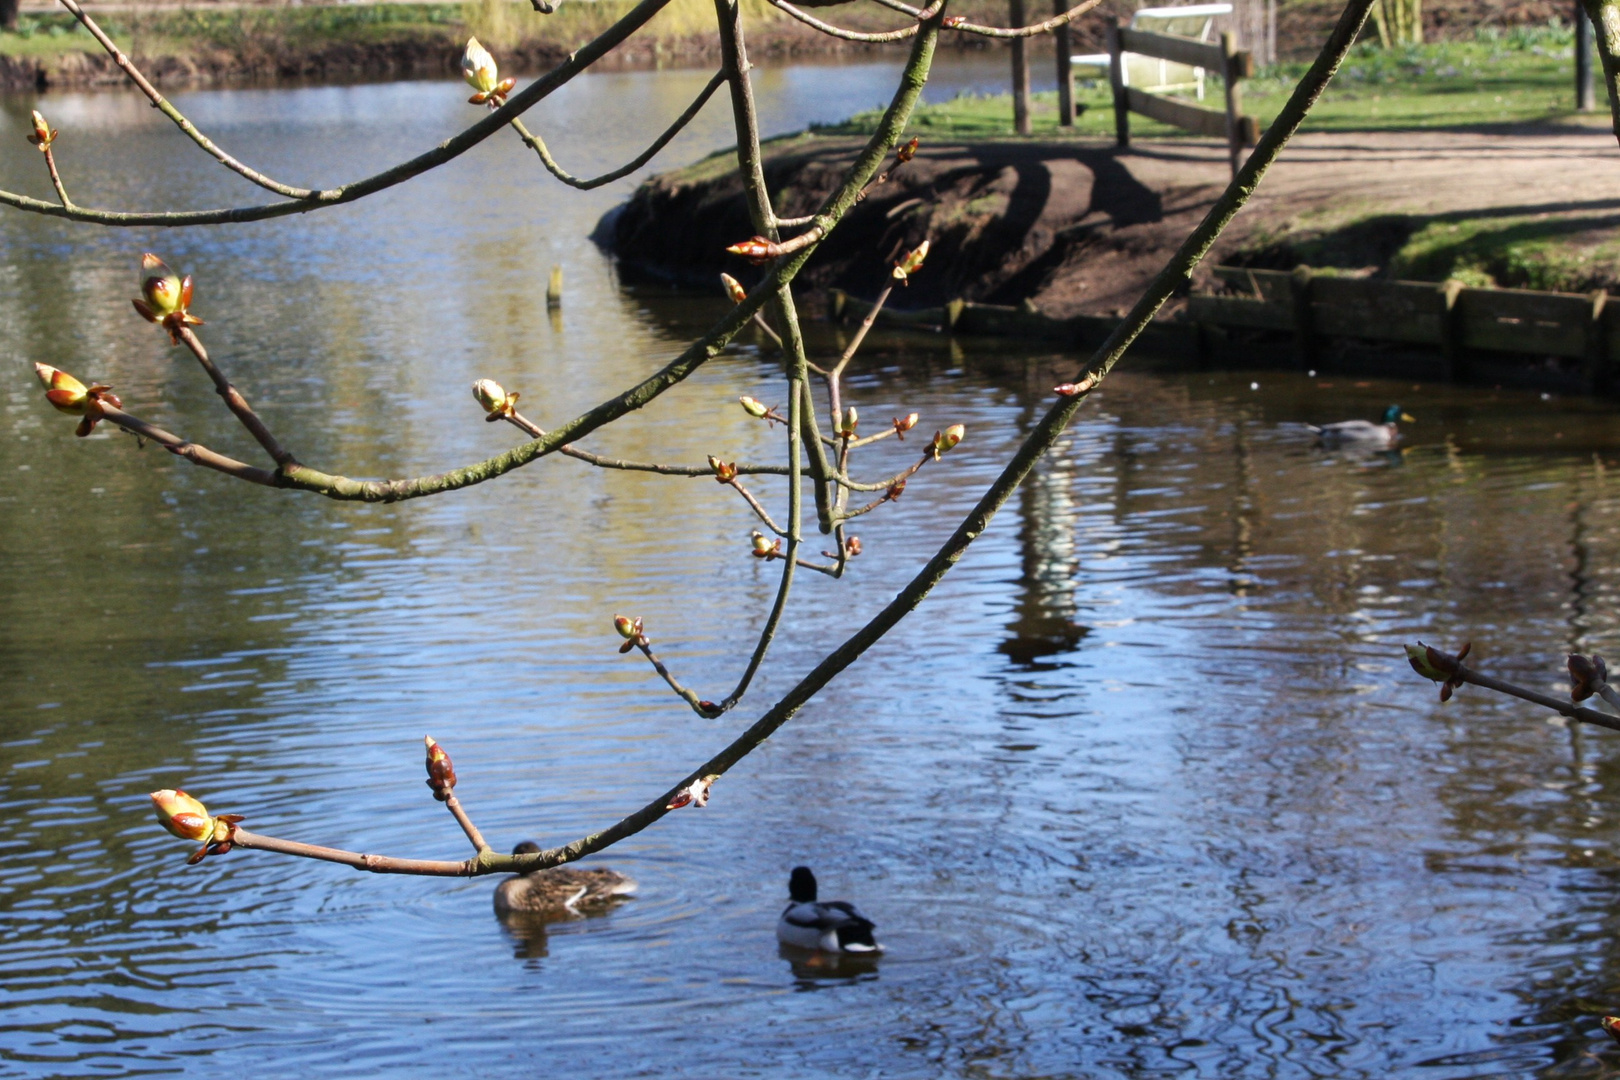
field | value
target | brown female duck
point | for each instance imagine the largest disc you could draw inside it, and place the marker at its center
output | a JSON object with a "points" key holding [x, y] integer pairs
{"points": [[561, 890]]}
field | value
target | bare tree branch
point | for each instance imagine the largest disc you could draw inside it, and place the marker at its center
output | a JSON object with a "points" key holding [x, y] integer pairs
{"points": [[535, 143], [516, 106]]}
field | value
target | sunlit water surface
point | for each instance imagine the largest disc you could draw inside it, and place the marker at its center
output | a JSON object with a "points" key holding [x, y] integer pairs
{"points": [[1144, 789]]}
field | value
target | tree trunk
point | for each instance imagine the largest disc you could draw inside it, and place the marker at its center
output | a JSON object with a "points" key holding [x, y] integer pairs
{"points": [[8, 14]]}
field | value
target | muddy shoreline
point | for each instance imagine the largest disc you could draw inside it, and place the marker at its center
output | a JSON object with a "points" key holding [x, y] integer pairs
{"points": [[1077, 227]]}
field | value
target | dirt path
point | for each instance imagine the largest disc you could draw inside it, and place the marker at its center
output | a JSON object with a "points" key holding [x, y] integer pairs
{"points": [[1325, 181]]}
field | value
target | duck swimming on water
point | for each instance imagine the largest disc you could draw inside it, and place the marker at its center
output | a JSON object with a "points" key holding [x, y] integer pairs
{"points": [[831, 926], [561, 890], [1362, 432]]}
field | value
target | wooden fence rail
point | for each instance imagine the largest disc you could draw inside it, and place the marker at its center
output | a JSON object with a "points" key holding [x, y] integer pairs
{"points": [[1233, 65]]}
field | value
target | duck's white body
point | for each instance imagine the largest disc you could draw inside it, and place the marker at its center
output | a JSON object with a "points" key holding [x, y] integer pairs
{"points": [[832, 926], [1362, 433], [1359, 432]]}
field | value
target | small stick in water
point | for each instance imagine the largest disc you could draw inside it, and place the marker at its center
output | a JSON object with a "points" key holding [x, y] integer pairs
{"points": [[554, 289]]}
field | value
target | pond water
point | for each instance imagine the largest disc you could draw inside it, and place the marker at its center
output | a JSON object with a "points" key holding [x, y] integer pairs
{"points": [[1146, 788]]}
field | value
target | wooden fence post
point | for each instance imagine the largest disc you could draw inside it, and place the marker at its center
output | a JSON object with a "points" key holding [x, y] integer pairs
{"points": [[1116, 79], [1596, 361], [1584, 97], [1233, 71], [1299, 288], [1451, 330], [1065, 73], [1020, 69]]}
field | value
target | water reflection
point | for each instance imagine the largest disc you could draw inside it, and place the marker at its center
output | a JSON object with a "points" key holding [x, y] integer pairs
{"points": [[1146, 787], [1043, 623], [813, 969]]}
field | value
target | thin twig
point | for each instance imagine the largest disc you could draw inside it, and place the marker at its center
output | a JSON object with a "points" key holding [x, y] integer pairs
{"points": [[759, 320], [516, 105], [162, 105], [759, 511], [1561, 706], [453, 804], [192, 452], [887, 496], [884, 485], [538, 145], [734, 51], [234, 400], [486, 863], [702, 708], [784, 587], [848, 35], [530, 428], [56, 179]]}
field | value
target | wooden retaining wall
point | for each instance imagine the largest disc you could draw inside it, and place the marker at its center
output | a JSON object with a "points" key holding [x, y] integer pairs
{"points": [[1467, 334], [1457, 320]]}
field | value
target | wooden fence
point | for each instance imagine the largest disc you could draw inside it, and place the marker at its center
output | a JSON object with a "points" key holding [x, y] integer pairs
{"points": [[1233, 65]]}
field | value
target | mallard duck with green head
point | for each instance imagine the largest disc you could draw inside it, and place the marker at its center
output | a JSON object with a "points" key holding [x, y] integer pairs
{"points": [[1363, 432]]}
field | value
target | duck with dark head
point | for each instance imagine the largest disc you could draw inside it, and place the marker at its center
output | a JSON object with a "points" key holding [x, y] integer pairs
{"points": [[832, 926]]}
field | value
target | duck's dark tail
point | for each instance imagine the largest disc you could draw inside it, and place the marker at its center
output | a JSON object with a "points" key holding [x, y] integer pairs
{"points": [[856, 936]]}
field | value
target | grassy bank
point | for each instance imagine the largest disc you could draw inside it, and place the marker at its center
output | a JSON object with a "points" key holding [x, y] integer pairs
{"points": [[200, 42], [167, 33], [1499, 77], [500, 23], [1572, 252]]}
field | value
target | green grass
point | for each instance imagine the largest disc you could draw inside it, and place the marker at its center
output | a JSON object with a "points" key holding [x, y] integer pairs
{"points": [[1499, 77], [1561, 254], [181, 30]]}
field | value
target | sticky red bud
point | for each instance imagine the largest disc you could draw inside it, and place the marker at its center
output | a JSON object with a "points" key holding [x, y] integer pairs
{"points": [[756, 249], [441, 773], [1073, 389]]}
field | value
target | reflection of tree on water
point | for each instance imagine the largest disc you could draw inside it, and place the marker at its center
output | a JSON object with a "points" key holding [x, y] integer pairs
{"points": [[1043, 620]]}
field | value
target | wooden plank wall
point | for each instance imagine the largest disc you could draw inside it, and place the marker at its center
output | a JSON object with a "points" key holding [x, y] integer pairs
{"points": [[1448, 315], [1460, 322]]}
